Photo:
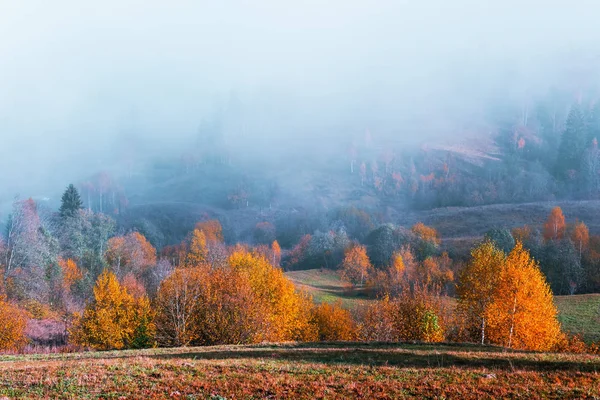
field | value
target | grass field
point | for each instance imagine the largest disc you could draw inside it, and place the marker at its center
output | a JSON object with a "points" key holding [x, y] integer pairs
{"points": [[578, 314], [303, 371]]}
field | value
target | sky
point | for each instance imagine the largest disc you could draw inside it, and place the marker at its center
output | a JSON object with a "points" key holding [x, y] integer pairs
{"points": [[78, 79]]}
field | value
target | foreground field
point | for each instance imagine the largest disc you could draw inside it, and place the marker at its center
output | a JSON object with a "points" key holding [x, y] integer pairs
{"points": [[303, 371]]}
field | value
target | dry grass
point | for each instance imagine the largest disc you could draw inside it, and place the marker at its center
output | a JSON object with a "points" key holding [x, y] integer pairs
{"points": [[303, 371]]}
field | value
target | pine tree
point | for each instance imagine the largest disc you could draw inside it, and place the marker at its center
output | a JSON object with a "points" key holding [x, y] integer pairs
{"points": [[71, 202], [573, 142], [593, 123]]}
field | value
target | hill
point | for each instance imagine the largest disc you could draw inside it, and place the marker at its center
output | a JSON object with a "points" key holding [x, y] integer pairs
{"points": [[303, 371]]}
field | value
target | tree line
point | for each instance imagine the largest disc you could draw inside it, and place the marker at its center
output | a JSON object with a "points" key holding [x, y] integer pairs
{"points": [[116, 291]]}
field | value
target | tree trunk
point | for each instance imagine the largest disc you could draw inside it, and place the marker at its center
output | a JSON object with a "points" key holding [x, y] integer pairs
{"points": [[482, 330], [512, 322]]}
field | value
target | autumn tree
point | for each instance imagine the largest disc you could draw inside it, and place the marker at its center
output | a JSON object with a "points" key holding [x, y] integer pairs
{"points": [[378, 321], [197, 249], [71, 273], [415, 314], [12, 326], [580, 236], [356, 265], [30, 249], [178, 302], [555, 226], [287, 316], [70, 203], [213, 231], [433, 272], [418, 317], [246, 301], [276, 250], [334, 323], [522, 314], [130, 253], [477, 283], [427, 240], [114, 319]]}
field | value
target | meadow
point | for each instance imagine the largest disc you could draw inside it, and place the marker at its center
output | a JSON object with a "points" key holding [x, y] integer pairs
{"points": [[303, 371]]}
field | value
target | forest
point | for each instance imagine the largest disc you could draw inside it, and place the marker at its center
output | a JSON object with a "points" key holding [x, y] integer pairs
{"points": [[72, 281]]}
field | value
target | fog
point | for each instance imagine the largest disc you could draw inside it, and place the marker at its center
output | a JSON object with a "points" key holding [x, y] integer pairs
{"points": [[83, 82]]}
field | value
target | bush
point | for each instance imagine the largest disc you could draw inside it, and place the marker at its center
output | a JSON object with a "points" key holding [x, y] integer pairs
{"points": [[12, 327], [334, 323]]}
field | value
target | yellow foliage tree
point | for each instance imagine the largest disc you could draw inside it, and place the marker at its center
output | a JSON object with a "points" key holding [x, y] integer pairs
{"points": [[197, 252], [12, 326], [477, 284], [246, 301], [286, 317], [113, 319], [522, 314]]}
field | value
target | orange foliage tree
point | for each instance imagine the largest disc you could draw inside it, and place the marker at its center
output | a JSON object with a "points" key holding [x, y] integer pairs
{"points": [[581, 237], [509, 298], [416, 314], [276, 250], [522, 314], [425, 233], [356, 265], [334, 323], [130, 253], [12, 326], [246, 301], [71, 274], [287, 310], [213, 231], [555, 225], [391, 280]]}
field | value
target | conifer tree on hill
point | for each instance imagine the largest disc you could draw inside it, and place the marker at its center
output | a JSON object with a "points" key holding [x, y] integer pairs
{"points": [[70, 203]]}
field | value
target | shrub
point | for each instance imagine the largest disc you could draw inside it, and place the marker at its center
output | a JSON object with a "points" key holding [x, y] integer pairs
{"points": [[12, 327]]}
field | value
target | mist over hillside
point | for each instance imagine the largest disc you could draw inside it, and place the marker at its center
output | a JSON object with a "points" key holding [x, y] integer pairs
{"points": [[122, 85]]}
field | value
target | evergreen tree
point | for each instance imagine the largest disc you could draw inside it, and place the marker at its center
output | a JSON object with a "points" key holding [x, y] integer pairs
{"points": [[70, 203], [501, 238], [573, 142], [593, 124]]}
